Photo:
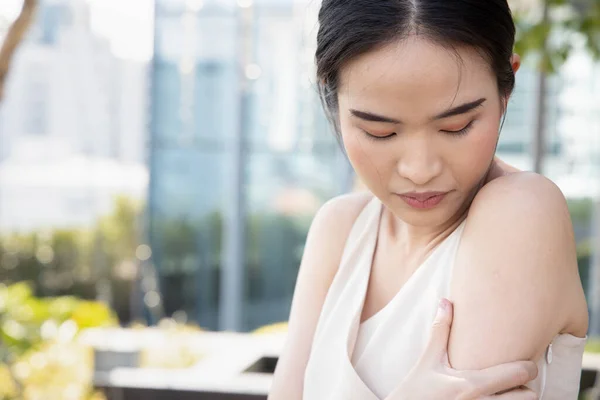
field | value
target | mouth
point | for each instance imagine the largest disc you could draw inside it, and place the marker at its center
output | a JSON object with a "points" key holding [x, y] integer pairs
{"points": [[424, 200]]}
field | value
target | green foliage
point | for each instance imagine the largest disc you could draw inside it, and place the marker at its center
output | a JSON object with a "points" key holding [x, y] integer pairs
{"points": [[22, 317], [73, 261], [179, 241], [581, 210], [118, 232], [553, 40], [189, 252], [593, 345], [55, 261], [38, 343]]}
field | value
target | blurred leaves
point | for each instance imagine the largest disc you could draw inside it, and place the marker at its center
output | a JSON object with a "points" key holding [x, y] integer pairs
{"points": [[119, 230], [278, 327], [178, 347], [571, 24], [26, 321], [593, 345], [581, 210], [73, 261], [39, 357]]}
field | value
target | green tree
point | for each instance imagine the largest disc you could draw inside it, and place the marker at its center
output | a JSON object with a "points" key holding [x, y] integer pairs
{"points": [[119, 231], [550, 30], [112, 254], [79, 262], [37, 335]]}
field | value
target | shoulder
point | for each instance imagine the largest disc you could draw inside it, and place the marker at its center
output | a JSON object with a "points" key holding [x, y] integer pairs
{"points": [[334, 220], [345, 208], [322, 255], [516, 273], [521, 192], [525, 213], [327, 237]]}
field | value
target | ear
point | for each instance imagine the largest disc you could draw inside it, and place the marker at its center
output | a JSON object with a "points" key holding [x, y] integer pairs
{"points": [[515, 62]]}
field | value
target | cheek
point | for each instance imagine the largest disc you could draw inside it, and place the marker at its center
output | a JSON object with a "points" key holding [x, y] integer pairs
{"points": [[366, 159], [357, 152], [478, 152], [487, 139]]}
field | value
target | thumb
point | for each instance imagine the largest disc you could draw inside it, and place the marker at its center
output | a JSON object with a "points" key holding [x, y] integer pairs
{"points": [[437, 347]]}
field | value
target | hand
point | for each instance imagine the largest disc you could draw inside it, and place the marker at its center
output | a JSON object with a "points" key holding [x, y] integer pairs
{"points": [[433, 378]]}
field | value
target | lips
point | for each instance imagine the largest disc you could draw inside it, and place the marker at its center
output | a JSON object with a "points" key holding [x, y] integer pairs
{"points": [[423, 196], [422, 201]]}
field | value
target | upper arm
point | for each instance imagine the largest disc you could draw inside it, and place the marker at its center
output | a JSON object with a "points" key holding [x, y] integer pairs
{"points": [[322, 255], [516, 283]]}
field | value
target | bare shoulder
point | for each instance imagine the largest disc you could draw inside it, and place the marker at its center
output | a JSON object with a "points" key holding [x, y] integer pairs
{"points": [[322, 254], [516, 273], [326, 240], [332, 225], [521, 191], [344, 207], [524, 215]]}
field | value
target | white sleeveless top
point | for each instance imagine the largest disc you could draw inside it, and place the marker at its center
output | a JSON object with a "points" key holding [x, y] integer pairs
{"points": [[354, 361]]}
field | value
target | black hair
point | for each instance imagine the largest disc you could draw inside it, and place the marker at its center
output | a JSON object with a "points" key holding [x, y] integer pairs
{"points": [[350, 28]]}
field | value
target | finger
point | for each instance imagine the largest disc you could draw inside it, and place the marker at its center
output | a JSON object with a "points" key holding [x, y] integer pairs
{"points": [[519, 394], [437, 346], [502, 377]]}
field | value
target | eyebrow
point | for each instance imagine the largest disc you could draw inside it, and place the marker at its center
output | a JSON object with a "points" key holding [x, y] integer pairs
{"points": [[459, 110]]}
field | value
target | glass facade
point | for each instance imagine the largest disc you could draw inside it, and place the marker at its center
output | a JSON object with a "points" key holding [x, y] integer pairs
{"points": [[241, 158], [516, 138]]}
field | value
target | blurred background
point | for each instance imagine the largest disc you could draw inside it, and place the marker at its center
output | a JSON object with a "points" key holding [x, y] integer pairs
{"points": [[161, 161]]}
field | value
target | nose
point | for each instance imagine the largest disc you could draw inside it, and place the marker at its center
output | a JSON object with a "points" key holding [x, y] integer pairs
{"points": [[419, 162]]}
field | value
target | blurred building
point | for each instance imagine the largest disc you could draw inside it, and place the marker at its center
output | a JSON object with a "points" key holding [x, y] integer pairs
{"points": [[572, 125], [44, 185], [241, 157], [579, 126], [73, 108], [516, 138]]}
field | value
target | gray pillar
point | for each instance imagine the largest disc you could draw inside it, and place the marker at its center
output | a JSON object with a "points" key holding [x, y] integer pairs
{"points": [[232, 276], [539, 138], [594, 277]]}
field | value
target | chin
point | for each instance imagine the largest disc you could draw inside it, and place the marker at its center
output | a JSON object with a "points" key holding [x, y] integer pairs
{"points": [[428, 218]]}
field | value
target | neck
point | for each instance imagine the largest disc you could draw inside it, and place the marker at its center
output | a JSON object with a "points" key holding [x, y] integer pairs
{"points": [[417, 239]]}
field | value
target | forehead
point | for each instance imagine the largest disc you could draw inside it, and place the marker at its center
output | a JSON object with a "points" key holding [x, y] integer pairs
{"points": [[417, 75]]}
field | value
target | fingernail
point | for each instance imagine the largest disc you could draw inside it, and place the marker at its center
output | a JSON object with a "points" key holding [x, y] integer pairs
{"points": [[442, 309], [445, 304]]}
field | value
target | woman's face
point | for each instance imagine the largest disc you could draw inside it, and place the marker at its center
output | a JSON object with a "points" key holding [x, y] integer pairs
{"points": [[415, 118]]}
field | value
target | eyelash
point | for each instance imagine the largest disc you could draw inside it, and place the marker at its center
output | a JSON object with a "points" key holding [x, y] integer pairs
{"points": [[373, 137], [460, 132]]}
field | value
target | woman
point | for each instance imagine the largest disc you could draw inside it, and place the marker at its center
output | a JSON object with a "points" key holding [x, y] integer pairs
{"points": [[417, 90]]}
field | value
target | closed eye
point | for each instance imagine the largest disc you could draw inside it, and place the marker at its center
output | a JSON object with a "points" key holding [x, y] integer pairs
{"points": [[375, 137], [462, 131]]}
